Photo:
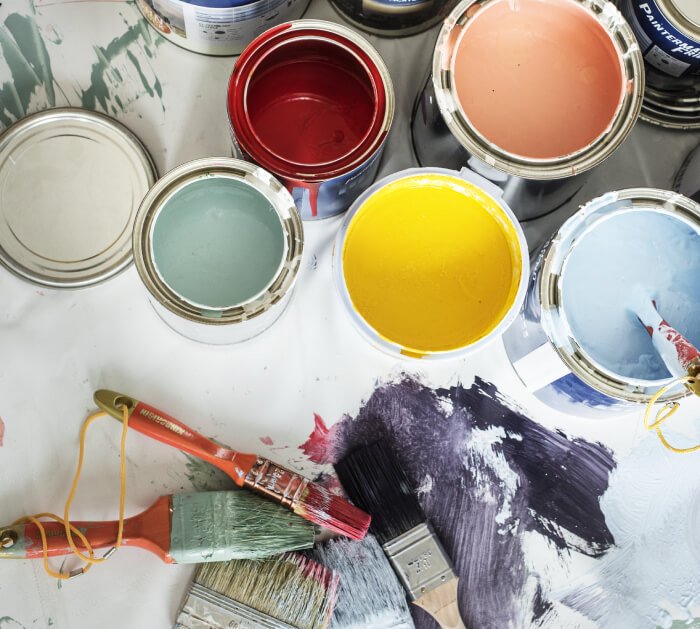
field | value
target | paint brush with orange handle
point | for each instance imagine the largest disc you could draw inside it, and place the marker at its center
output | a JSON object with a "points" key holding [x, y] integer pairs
{"points": [[182, 528], [250, 471], [680, 356]]}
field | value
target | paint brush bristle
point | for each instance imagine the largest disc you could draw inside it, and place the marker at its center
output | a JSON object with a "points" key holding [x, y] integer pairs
{"points": [[289, 590], [369, 594], [320, 506], [376, 483]]}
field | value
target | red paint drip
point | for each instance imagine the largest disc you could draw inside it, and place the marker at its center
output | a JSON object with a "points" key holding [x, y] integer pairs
{"points": [[685, 350], [267, 441], [2, 431], [320, 445]]}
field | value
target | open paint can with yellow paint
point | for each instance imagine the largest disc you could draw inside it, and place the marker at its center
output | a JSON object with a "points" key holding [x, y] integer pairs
{"points": [[218, 243], [431, 263]]}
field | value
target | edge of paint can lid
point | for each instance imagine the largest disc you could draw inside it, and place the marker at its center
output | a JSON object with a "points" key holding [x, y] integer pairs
{"points": [[71, 181]]}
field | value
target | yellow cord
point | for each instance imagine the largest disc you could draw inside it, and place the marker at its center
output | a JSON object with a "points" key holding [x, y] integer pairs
{"points": [[70, 530], [666, 412]]}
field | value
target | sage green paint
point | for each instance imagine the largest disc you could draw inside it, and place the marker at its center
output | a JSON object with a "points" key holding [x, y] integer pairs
{"points": [[19, 549], [218, 242], [237, 524]]}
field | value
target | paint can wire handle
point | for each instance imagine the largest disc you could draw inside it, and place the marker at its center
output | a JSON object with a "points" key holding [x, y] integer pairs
{"points": [[692, 382]]}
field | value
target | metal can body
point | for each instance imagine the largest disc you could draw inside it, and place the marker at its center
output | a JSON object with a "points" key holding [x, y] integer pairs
{"points": [[505, 217], [444, 136], [668, 32], [393, 18], [217, 27], [541, 345], [328, 155], [217, 323]]}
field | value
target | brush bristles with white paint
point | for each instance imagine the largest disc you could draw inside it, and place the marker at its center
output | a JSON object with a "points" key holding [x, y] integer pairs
{"points": [[289, 591], [376, 483], [369, 594]]}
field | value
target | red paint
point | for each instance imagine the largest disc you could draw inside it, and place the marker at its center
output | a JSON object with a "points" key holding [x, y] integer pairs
{"points": [[685, 350], [2, 431], [306, 103], [267, 441], [149, 530], [320, 445]]}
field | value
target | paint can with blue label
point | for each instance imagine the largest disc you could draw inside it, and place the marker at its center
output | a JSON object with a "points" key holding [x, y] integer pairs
{"points": [[217, 27], [217, 243], [577, 344], [312, 102], [393, 18], [668, 32]]}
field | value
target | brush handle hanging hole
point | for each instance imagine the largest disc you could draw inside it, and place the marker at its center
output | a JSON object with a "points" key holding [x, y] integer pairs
{"points": [[8, 539], [124, 401]]}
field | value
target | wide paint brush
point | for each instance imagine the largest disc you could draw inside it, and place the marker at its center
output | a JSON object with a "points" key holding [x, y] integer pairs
{"points": [[287, 592], [305, 498], [680, 356], [374, 480], [182, 528]]}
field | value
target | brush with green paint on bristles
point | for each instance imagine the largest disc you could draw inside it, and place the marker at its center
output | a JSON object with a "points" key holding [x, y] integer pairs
{"points": [[286, 592]]}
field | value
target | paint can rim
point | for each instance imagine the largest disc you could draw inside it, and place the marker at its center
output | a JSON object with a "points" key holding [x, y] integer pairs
{"points": [[85, 270], [679, 19], [264, 183], [367, 330], [632, 66], [549, 287], [298, 30]]}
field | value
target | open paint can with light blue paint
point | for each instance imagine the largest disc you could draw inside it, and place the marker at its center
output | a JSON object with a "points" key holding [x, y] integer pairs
{"points": [[218, 243], [577, 344]]}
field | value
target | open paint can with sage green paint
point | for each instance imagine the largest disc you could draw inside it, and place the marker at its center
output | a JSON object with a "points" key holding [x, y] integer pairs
{"points": [[312, 102], [431, 263], [530, 94], [393, 18], [71, 181], [577, 345], [218, 243], [217, 27]]}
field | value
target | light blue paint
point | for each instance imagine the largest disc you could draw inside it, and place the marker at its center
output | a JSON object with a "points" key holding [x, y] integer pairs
{"points": [[218, 242], [607, 268]]}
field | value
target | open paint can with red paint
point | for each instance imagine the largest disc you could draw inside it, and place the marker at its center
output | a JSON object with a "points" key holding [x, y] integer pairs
{"points": [[530, 94], [578, 344], [312, 102], [217, 243]]}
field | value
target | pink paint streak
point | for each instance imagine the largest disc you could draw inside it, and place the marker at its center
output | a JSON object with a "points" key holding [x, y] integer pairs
{"points": [[320, 445], [267, 441], [686, 351], [2, 431]]}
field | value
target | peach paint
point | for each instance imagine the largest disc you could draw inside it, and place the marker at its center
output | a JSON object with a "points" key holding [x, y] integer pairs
{"points": [[538, 78]]}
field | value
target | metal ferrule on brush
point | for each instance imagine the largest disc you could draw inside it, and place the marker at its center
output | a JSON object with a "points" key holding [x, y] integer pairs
{"points": [[204, 608], [276, 482], [419, 560]]}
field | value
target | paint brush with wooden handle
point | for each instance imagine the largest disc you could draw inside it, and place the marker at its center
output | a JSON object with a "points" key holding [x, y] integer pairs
{"points": [[375, 481], [182, 528], [250, 471], [680, 356]]}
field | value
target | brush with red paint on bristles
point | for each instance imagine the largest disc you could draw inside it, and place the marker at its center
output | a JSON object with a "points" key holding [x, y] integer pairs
{"points": [[250, 471], [680, 356], [375, 481]]}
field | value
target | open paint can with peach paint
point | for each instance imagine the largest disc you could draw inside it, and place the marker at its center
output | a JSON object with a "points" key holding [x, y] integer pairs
{"points": [[431, 263], [312, 102], [530, 94]]}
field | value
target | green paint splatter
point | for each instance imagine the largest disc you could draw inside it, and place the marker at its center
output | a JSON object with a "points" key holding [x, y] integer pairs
{"points": [[10, 623], [206, 477], [144, 81], [28, 60]]}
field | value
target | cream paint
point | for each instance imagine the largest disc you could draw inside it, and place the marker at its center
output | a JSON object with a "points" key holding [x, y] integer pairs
{"points": [[538, 78]]}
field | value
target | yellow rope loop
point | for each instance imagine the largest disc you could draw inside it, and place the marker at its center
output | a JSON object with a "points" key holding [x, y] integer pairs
{"points": [[666, 412], [71, 530]]}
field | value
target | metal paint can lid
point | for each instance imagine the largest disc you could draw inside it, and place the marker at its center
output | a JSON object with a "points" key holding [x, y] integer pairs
{"points": [[70, 184], [689, 9]]}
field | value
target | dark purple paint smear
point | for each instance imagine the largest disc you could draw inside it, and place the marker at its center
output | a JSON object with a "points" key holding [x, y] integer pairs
{"points": [[560, 483]]}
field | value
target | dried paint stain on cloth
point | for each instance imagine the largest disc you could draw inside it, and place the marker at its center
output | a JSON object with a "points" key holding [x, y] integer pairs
{"points": [[491, 481]]}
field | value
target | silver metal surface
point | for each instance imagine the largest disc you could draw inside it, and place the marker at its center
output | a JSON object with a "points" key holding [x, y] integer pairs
{"points": [[206, 609], [443, 136], [70, 184], [419, 560], [687, 180]]}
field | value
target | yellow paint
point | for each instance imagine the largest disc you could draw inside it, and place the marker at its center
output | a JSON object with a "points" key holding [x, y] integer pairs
{"points": [[432, 263]]}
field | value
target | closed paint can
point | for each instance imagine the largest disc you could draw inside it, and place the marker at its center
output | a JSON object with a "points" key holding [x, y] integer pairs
{"points": [[431, 263], [577, 344], [671, 102], [218, 243], [394, 18], [312, 102], [532, 118], [668, 32], [217, 27]]}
